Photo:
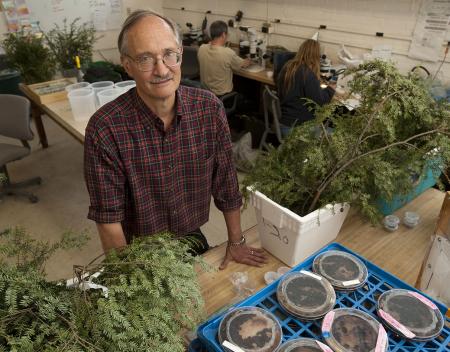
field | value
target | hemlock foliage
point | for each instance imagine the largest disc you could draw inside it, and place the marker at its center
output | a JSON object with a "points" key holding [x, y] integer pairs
{"points": [[397, 131], [153, 293]]}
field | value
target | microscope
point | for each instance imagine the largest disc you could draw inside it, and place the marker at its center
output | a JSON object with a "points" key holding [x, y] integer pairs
{"points": [[255, 47]]}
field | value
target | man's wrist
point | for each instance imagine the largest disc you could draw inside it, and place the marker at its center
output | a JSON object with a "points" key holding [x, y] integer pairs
{"points": [[241, 242]]}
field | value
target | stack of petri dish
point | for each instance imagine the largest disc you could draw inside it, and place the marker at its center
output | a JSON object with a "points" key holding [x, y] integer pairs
{"points": [[352, 330], [304, 345], [251, 329], [343, 270], [305, 295], [410, 315]]}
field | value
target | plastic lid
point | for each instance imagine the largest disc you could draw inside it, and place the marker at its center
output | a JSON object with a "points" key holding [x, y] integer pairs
{"points": [[306, 295], [411, 219], [251, 329], [302, 345], [352, 330], [344, 270], [391, 222], [417, 314]]}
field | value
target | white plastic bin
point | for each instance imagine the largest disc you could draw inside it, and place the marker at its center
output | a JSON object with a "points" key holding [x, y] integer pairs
{"points": [[99, 86], [290, 237], [125, 85], [82, 102], [107, 95]]}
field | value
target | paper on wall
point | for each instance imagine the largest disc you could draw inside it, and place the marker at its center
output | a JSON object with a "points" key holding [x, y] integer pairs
{"points": [[431, 30]]}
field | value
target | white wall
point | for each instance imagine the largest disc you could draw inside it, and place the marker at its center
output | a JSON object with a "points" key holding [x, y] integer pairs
{"points": [[352, 22], [106, 46]]}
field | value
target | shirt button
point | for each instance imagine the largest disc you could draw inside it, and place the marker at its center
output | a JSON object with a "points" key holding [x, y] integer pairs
{"points": [[174, 212]]}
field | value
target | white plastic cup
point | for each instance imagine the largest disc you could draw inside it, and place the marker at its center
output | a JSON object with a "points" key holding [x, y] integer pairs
{"points": [[125, 86], [82, 102], [78, 85], [99, 86], [107, 95]]}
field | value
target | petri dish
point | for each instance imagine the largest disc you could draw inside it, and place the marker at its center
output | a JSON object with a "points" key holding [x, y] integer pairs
{"points": [[306, 295], [352, 330], [410, 314], [251, 329], [343, 270], [304, 345]]}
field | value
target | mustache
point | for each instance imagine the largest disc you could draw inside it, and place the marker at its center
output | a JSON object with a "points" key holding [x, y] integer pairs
{"points": [[161, 79]]}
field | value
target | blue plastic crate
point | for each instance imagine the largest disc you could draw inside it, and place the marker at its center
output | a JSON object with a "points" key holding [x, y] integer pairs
{"points": [[364, 299], [427, 180]]}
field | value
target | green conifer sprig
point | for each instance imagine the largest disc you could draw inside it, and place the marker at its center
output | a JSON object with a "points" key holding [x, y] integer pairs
{"points": [[153, 294], [372, 152]]}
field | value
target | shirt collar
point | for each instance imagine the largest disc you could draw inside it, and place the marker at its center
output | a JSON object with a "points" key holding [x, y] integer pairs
{"points": [[180, 103]]}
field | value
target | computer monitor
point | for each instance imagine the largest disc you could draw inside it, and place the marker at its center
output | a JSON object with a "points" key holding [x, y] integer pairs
{"points": [[279, 60]]}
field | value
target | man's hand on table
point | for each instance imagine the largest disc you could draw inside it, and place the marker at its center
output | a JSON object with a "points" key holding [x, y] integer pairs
{"points": [[244, 255]]}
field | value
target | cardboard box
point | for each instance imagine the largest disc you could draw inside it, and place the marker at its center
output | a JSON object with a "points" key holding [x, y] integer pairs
{"points": [[49, 92], [434, 276]]}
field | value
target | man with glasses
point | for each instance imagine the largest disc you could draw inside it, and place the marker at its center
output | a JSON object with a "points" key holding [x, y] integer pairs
{"points": [[156, 154]]}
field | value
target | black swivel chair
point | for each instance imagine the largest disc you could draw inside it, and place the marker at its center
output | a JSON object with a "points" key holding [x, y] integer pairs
{"points": [[15, 123]]}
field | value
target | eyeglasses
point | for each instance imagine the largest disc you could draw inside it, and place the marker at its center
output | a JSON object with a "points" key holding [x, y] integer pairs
{"points": [[147, 62]]}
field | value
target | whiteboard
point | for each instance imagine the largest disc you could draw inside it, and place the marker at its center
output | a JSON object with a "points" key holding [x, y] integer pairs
{"points": [[103, 14]]}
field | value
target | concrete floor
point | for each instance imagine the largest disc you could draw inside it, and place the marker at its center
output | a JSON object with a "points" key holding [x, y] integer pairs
{"points": [[63, 201]]}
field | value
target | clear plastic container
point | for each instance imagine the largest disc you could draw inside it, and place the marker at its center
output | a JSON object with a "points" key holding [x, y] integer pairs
{"points": [[391, 222], [305, 295], [344, 271], [352, 330], [99, 86], [411, 219], [78, 85], [410, 315], [125, 85], [107, 95], [303, 345], [250, 329], [82, 102]]}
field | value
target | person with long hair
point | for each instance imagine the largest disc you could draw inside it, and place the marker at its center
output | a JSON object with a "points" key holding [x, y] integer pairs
{"points": [[298, 81]]}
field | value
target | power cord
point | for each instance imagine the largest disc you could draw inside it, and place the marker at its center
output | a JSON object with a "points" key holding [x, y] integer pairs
{"points": [[442, 62]]}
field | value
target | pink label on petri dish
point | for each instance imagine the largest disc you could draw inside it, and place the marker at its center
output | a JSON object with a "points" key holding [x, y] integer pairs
{"points": [[396, 324], [327, 322], [382, 340], [423, 300]]}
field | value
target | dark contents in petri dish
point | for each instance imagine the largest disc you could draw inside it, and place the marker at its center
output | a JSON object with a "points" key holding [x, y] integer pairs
{"points": [[408, 311], [306, 291], [306, 349], [354, 333], [340, 267], [250, 331]]}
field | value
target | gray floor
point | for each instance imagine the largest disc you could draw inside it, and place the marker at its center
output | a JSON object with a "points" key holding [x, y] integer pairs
{"points": [[63, 201]]}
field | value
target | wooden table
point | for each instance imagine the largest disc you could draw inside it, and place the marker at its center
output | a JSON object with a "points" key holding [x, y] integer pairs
{"points": [[400, 253], [256, 76], [58, 111]]}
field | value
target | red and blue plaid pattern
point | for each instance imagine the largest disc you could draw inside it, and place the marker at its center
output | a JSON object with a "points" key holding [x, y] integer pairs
{"points": [[151, 180]]}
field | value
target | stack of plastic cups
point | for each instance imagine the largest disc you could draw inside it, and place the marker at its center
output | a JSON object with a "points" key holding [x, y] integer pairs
{"points": [[79, 85], [107, 95], [83, 103], [125, 86], [99, 86]]}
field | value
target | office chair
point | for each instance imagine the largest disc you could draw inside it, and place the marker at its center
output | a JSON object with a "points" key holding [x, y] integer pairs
{"points": [[230, 101], [190, 68], [272, 109], [15, 123]]}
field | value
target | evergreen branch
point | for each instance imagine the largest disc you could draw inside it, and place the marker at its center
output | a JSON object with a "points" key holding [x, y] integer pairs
{"points": [[374, 151]]}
